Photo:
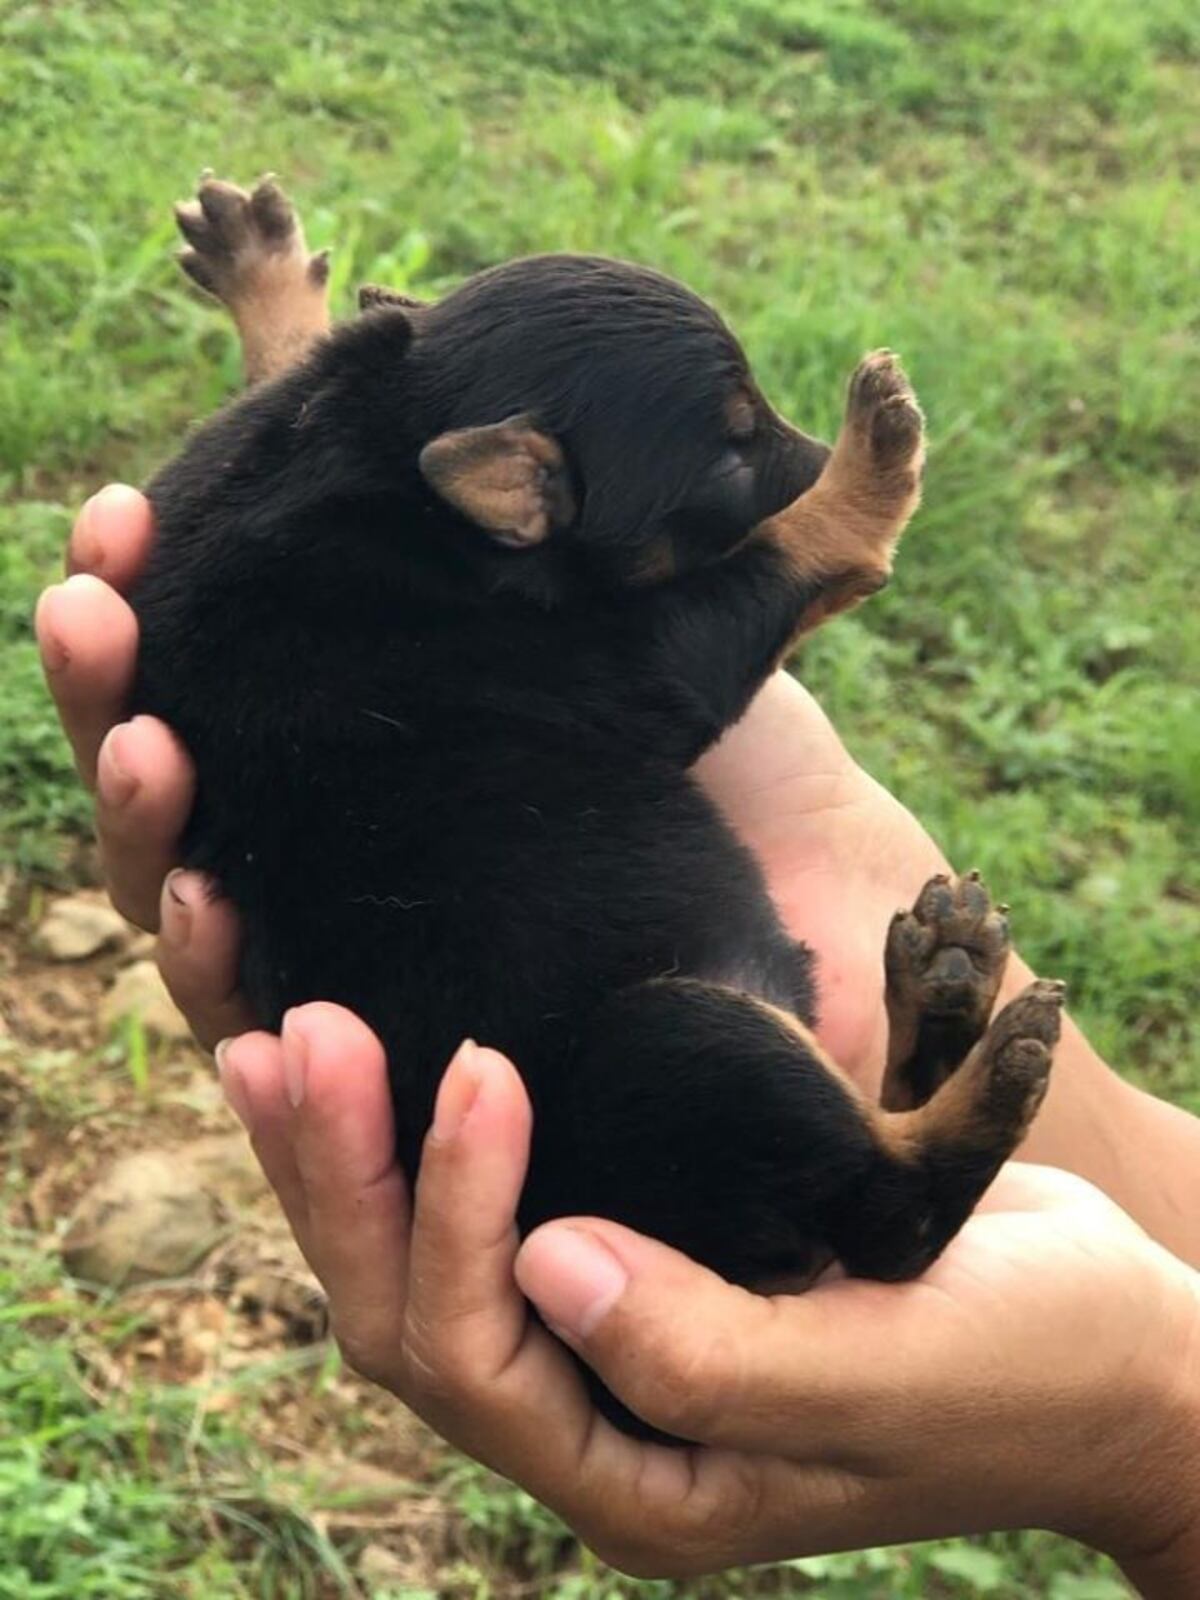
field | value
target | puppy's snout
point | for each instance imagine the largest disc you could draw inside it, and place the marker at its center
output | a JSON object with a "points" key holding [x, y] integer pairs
{"points": [[798, 460], [808, 457]]}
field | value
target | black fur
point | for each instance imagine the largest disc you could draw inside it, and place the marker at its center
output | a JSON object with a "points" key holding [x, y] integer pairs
{"points": [[446, 782]]}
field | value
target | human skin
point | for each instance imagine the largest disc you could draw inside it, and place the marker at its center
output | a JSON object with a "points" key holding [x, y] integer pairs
{"points": [[1045, 1371]]}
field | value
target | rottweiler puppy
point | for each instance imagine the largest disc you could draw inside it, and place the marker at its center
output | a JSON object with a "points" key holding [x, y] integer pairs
{"points": [[445, 607]]}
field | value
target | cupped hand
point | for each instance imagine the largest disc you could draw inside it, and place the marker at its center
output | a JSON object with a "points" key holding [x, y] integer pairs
{"points": [[141, 775], [841, 854], [1031, 1377]]}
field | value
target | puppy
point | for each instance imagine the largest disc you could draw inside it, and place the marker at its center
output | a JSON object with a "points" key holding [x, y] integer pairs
{"points": [[445, 608]]}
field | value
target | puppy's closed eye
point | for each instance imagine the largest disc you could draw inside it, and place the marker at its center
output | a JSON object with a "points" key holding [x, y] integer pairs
{"points": [[741, 415]]}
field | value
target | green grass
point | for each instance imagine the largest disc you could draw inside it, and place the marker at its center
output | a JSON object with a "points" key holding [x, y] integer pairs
{"points": [[1001, 189], [138, 1494]]}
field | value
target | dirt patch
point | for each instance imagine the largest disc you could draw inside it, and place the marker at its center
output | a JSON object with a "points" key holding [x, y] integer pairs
{"points": [[79, 1100]]}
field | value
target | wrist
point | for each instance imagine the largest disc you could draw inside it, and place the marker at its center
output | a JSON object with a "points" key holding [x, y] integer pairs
{"points": [[1149, 1521], [1142, 1152]]}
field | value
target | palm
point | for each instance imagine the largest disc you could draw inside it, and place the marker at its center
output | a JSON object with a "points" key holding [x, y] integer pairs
{"points": [[974, 1336], [841, 855]]}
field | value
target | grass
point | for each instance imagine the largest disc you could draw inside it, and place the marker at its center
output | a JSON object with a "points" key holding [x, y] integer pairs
{"points": [[1001, 189], [127, 1495]]}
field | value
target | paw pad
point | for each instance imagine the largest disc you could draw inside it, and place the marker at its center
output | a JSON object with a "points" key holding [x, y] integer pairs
{"points": [[946, 956]]}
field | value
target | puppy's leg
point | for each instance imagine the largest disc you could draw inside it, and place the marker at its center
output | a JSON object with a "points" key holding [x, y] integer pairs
{"points": [[944, 961], [935, 1162], [710, 1119], [248, 250], [704, 645], [840, 536]]}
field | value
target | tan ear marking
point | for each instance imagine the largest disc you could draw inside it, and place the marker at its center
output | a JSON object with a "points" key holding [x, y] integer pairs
{"points": [[507, 478]]}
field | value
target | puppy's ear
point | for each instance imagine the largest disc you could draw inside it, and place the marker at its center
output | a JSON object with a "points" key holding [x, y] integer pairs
{"points": [[508, 479], [372, 295]]}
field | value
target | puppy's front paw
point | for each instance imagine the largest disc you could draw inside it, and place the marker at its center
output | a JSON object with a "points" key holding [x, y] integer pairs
{"points": [[243, 245], [883, 414], [248, 250]]}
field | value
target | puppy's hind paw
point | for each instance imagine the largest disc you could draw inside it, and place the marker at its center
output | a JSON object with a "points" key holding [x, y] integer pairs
{"points": [[1016, 1054]]}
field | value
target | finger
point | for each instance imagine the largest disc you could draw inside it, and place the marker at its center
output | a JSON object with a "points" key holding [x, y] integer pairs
{"points": [[198, 957], [487, 1375], [342, 1141], [473, 1168], [498, 1387], [708, 1361], [144, 788], [251, 1069], [112, 536], [330, 1161], [88, 640]]}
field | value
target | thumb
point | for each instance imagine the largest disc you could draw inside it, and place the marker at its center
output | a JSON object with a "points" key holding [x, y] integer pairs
{"points": [[688, 1352]]}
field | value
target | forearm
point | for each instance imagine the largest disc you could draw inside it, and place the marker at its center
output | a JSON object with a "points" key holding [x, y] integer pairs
{"points": [[1169, 1567], [1143, 1153]]}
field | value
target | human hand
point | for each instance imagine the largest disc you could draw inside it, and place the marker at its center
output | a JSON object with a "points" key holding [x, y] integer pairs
{"points": [[841, 853], [1046, 1371], [141, 774]]}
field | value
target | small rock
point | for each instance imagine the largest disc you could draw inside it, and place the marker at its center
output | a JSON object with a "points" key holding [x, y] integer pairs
{"points": [[140, 992], [79, 926], [156, 1213], [149, 1218], [225, 1165], [379, 1565]]}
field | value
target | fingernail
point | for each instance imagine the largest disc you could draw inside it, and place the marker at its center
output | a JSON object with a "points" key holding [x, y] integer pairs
{"points": [[55, 655], [458, 1092], [175, 917], [233, 1085], [116, 784], [571, 1277], [295, 1060]]}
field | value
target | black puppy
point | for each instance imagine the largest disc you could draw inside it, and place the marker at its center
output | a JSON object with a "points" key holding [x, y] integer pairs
{"points": [[445, 609]]}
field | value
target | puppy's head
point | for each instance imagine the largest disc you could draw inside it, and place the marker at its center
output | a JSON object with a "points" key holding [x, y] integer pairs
{"points": [[579, 422]]}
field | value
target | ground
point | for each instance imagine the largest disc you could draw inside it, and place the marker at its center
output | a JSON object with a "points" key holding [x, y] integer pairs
{"points": [[1002, 190]]}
